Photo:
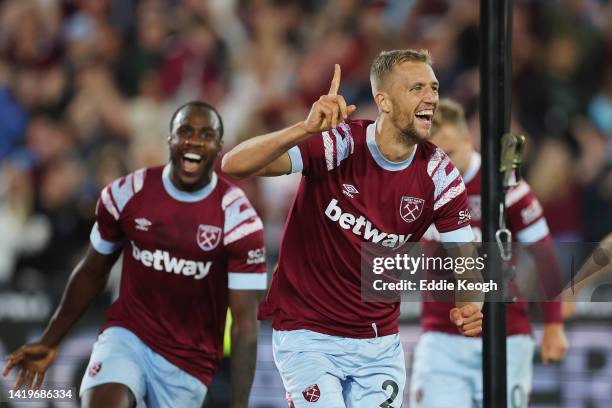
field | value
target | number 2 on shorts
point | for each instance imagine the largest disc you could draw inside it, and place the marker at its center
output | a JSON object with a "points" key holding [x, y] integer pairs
{"points": [[394, 390]]}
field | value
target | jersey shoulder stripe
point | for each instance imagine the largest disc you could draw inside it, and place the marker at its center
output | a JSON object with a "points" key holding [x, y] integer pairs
{"points": [[240, 217], [517, 193], [448, 195], [138, 179], [445, 177], [337, 145], [117, 194], [108, 203], [231, 195], [243, 230]]}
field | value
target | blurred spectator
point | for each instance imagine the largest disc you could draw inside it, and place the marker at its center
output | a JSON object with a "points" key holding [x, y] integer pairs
{"points": [[148, 115], [70, 215], [600, 111], [13, 115], [551, 178], [145, 53], [97, 109], [22, 231], [197, 65]]}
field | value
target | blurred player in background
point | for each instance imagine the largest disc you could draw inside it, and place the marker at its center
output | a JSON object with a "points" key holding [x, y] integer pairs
{"points": [[363, 181], [444, 360], [187, 237]]}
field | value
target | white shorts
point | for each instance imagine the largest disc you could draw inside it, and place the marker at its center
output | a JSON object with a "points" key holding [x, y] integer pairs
{"points": [[319, 370], [447, 371], [119, 356]]}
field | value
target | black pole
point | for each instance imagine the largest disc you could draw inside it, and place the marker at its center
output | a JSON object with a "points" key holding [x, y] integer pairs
{"points": [[494, 122], [506, 32]]}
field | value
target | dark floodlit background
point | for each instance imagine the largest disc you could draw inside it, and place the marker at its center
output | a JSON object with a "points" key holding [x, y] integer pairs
{"points": [[87, 88]]}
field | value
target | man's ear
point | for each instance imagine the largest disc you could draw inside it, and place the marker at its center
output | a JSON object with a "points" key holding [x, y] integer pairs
{"points": [[383, 102]]}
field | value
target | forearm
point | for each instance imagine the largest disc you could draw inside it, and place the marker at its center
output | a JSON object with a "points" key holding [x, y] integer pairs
{"points": [[470, 275], [552, 312], [547, 267], [253, 155], [595, 268], [81, 290], [242, 362]]}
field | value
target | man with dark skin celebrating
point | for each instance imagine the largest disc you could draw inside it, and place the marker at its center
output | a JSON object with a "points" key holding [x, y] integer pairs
{"points": [[192, 246]]}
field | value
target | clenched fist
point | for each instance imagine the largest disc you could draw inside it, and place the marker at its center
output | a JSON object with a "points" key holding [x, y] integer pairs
{"points": [[468, 319]]}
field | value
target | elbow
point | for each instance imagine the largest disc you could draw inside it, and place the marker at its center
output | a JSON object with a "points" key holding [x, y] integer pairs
{"points": [[229, 167]]}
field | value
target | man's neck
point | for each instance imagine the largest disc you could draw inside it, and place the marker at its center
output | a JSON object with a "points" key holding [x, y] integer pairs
{"points": [[390, 142], [189, 188]]}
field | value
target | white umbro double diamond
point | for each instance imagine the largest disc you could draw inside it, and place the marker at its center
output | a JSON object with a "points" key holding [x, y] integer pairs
{"points": [[348, 190], [142, 224]]}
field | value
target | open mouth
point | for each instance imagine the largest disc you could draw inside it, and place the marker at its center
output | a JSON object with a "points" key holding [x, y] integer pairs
{"points": [[425, 116], [191, 162]]}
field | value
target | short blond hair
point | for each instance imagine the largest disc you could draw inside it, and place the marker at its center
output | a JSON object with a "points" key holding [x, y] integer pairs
{"points": [[448, 112], [385, 61]]}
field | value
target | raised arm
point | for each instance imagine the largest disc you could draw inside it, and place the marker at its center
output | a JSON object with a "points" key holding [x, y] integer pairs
{"points": [[86, 282], [266, 155]]}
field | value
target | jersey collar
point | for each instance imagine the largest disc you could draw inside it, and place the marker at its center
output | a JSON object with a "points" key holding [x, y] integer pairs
{"points": [[187, 196], [379, 158], [470, 173]]}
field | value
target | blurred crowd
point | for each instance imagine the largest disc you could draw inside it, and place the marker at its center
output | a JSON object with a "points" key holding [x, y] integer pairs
{"points": [[87, 88]]}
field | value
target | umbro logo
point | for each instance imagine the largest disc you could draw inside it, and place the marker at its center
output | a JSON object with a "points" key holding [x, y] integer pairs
{"points": [[142, 224], [348, 190]]}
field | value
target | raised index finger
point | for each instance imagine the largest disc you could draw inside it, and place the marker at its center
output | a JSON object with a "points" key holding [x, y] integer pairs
{"points": [[335, 83]]}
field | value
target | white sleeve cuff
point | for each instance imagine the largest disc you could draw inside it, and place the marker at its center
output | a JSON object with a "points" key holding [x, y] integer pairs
{"points": [[463, 234], [102, 246], [534, 232], [248, 281], [297, 165]]}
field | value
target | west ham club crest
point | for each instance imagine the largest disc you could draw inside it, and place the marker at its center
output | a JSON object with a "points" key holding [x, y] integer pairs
{"points": [[208, 237], [312, 393], [94, 369], [411, 208]]}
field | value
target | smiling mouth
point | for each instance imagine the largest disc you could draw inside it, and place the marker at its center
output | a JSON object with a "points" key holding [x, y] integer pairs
{"points": [[191, 162], [425, 116]]}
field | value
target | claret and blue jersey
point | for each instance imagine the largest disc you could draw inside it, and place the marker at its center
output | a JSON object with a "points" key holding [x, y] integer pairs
{"points": [[181, 253], [525, 219], [350, 194]]}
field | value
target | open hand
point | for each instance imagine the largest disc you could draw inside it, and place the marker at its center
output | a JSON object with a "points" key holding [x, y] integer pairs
{"points": [[33, 361]]}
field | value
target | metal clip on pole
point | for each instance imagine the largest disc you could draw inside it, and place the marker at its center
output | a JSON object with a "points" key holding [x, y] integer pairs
{"points": [[503, 236], [511, 158], [512, 146]]}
